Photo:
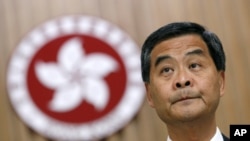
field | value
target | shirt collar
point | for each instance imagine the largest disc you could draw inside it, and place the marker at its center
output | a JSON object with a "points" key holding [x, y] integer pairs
{"points": [[217, 136]]}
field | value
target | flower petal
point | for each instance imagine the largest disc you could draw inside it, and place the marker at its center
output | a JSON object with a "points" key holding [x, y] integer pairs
{"points": [[97, 93], [66, 98], [98, 65], [70, 54], [50, 75]]}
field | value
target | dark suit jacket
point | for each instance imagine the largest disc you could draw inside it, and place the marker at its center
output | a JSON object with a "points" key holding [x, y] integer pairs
{"points": [[225, 138]]}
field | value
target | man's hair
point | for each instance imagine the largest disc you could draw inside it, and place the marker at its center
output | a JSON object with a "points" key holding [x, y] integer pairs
{"points": [[175, 30]]}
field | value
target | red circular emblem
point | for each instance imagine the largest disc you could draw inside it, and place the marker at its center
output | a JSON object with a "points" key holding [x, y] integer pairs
{"points": [[75, 78]]}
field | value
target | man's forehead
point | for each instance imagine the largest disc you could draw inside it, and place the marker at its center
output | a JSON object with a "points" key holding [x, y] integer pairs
{"points": [[179, 44]]}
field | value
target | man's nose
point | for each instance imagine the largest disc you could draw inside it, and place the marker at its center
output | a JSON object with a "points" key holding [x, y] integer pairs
{"points": [[183, 80]]}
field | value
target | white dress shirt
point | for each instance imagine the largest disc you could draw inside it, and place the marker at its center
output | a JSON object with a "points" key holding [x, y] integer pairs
{"points": [[217, 136]]}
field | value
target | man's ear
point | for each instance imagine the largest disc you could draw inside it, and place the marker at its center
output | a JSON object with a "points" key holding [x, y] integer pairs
{"points": [[222, 82], [149, 94]]}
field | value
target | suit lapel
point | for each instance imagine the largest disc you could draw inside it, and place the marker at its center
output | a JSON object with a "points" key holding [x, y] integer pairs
{"points": [[225, 138]]}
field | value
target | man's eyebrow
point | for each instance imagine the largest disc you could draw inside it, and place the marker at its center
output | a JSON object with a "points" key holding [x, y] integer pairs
{"points": [[165, 57], [195, 52], [161, 58]]}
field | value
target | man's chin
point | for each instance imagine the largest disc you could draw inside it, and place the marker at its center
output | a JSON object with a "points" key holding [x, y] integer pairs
{"points": [[188, 114]]}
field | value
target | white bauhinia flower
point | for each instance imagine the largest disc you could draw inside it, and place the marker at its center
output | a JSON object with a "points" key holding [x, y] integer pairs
{"points": [[76, 77]]}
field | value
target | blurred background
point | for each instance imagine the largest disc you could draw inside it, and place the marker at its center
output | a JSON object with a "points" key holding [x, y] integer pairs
{"points": [[229, 19]]}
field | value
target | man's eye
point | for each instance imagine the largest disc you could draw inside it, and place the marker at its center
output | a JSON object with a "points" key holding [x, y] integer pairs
{"points": [[194, 65], [166, 70]]}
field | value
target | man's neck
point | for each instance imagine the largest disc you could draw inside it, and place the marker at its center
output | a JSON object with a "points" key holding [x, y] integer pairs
{"points": [[192, 131]]}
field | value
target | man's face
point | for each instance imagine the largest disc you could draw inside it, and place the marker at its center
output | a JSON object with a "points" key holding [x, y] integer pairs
{"points": [[184, 82]]}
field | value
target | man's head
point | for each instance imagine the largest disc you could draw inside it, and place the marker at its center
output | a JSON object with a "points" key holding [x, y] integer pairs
{"points": [[177, 29], [183, 69]]}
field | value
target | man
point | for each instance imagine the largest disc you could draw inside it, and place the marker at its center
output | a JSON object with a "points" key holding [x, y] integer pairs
{"points": [[183, 68]]}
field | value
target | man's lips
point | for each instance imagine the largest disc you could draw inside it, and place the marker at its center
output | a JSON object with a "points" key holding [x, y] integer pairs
{"points": [[183, 95], [185, 98]]}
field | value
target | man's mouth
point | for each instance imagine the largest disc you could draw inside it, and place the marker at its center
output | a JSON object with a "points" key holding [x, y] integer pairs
{"points": [[185, 95], [185, 98]]}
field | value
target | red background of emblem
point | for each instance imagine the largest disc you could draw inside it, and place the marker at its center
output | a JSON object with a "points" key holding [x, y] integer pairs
{"points": [[85, 112]]}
